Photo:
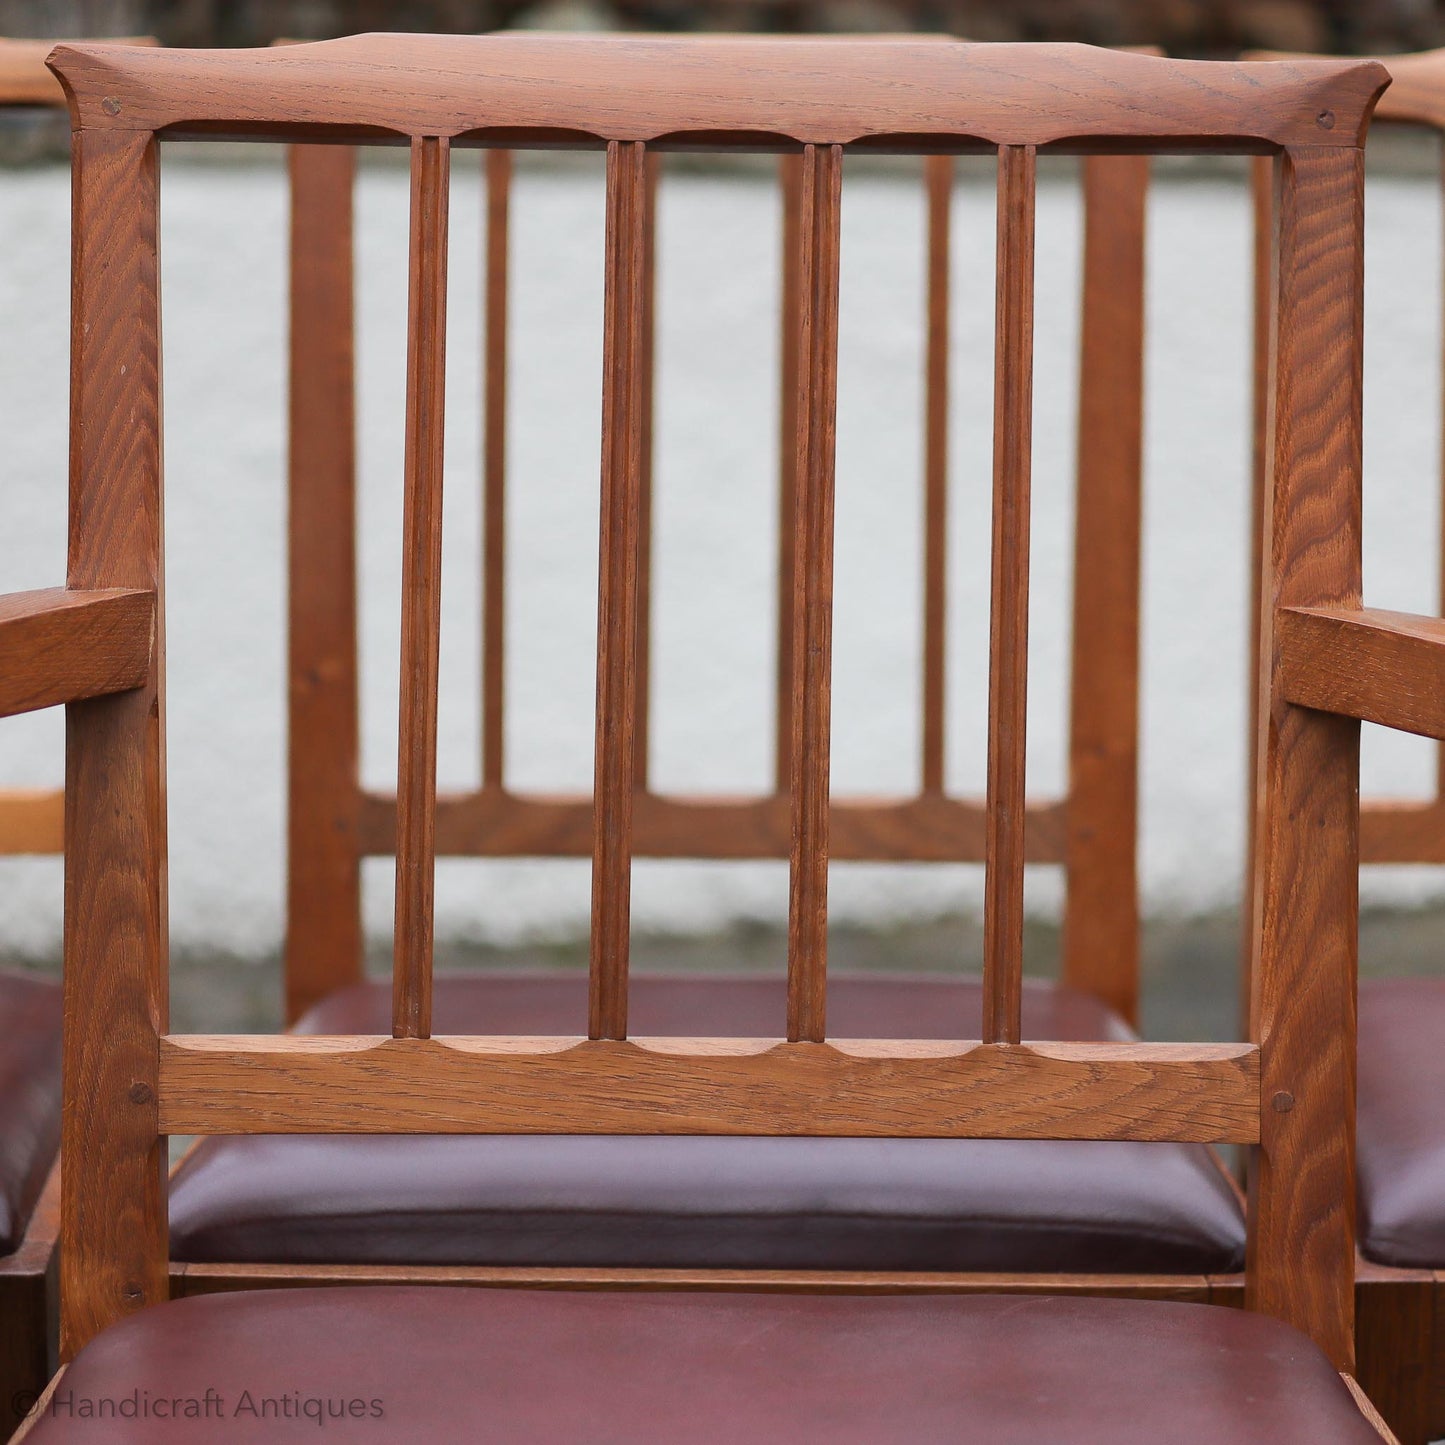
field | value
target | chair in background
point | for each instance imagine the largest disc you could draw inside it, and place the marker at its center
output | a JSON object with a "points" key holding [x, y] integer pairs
{"points": [[307, 1210], [682, 1364], [1401, 1270]]}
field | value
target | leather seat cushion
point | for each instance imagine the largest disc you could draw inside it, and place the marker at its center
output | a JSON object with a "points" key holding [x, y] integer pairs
{"points": [[1401, 1123], [436, 1364], [29, 1097], [686, 1202]]}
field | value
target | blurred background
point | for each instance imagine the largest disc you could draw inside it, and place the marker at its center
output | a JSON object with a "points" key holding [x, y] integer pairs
{"points": [[224, 211]]}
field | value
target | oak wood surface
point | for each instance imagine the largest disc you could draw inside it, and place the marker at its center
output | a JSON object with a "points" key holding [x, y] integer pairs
{"points": [[864, 1088], [811, 694], [59, 645], [497, 253], [507, 824], [421, 589], [115, 965], [614, 767], [1384, 667], [757, 90], [324, 945], [1008, 647], [938, 180], [1301, 1238], [1100, 940]]}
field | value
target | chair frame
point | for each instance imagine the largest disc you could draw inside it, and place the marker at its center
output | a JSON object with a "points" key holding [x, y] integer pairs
{"points": [[31, 823], [1401, 1312], [98, 644]]}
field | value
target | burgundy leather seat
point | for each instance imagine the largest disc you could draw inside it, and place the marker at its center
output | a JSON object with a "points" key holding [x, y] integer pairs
{"points": [[720, 1202], [29, 1097], [1401, 1121], [429, 1365]]}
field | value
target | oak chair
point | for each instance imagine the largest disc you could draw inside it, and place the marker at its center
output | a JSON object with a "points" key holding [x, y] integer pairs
{"points": [[318, 1210], [423, 1364], [1401, 1267]]}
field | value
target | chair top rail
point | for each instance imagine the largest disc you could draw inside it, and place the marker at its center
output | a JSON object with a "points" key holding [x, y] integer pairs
{"points": [[1417, 86], [751, 92]]}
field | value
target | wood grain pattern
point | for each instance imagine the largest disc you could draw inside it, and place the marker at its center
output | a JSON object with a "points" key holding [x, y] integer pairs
{"points": [[811, 699], [498, 191], [863, 1088], [32, 820], [1384, 667], [860, 829], [324, 945], [1402, 831], [734, 91], [59, 645], [790, 187], [1100, 944], [1013, 409], [116, 948], [938, 180], [1301, 1239], [617, 576], [421, 601]]}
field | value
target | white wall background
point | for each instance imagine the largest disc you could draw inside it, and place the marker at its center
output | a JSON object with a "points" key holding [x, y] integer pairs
{"points": [[223, 255]]}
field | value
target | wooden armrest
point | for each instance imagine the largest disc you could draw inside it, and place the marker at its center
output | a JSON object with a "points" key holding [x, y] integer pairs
{"points": [[60, 646], [1364, 662]]}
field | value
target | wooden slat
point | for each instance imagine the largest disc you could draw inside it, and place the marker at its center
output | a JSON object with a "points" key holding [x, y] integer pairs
{"points": [[1301, 1240], [863, 1088], [421, 589], [923, 830], [938, 172], [1262, 409], [1383, 667], [324, 943], [624, 353], [790, 186], [113, 1190], [1009, 605], [32, 820], [498, 167], [810, 704], [1100, 943], [647, 383], [59, 646]]}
